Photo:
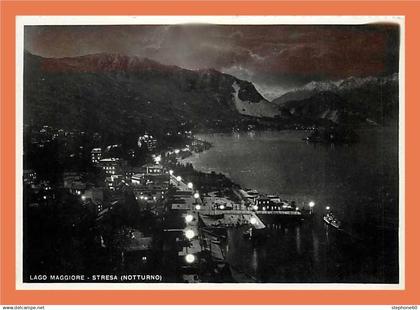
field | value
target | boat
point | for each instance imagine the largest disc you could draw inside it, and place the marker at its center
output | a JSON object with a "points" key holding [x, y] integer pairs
{"points": [[330, 219]]}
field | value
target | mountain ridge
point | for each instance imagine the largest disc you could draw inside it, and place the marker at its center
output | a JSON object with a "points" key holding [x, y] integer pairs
{"points": [[121, 94], [373, 100]]}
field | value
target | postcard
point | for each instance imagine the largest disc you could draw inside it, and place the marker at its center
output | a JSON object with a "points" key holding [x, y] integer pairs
{"points": [[211, 150], [206, 156]]}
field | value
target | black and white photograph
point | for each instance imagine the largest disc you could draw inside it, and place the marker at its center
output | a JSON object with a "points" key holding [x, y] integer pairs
{"points": [[212, 151]]}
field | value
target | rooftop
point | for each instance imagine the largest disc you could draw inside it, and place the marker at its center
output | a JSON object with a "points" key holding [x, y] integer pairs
{"points": [[109, 159]]}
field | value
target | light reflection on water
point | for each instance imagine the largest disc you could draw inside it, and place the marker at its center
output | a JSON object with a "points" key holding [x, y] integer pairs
{"points": [[298, 241], [359, 182]]}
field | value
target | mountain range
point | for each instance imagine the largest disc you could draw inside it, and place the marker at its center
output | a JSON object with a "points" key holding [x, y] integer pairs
{"points": [[121, 95], [111, 92], [374, 100]]}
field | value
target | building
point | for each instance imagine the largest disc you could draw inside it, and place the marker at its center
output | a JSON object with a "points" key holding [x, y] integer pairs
{"points": [[29, 176], [222, 204], [131, 171], [94, 194], [271, 204], [150, 174], [151, 184], [96, 155], [138, 249], [69, 178], [149, 193], [131, 153], [148, 141], [154, 170], [78, 188], [264, 204], [114, 180], [110, 165]]}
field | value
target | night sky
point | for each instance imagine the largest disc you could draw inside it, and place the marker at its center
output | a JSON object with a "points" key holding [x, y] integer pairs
{"points": [[275, 58]]}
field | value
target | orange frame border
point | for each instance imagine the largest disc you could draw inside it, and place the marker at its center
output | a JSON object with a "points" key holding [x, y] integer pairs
{"points": [[10, 9]]}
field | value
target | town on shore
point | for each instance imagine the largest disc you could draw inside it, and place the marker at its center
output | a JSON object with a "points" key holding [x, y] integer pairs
{"points": [[109, 215]]}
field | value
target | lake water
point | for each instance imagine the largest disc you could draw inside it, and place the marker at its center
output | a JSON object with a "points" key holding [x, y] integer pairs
{"points": [[358, 181]]}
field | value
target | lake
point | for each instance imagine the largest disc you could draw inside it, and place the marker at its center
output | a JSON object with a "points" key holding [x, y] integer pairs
{"points": [[358, 181]]}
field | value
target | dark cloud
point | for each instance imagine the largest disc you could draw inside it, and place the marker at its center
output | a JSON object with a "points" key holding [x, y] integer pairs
{"points": [[276, 58]]}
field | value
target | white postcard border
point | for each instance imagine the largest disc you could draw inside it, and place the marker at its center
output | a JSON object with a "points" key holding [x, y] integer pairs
{"points": [[21, 21]]}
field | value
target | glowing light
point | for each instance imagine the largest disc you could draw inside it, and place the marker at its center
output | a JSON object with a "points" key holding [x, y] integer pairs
{"points": [[255, 207], [158, 159], [253, 220], [190, 185], [189, 233], [171, 172], [83, 197], [311, 204], [196, 195], [189, 218], [197, 207], [176, 151], [190, 258], [45, 197], [327, 208], [222, 207], [178, 178]]}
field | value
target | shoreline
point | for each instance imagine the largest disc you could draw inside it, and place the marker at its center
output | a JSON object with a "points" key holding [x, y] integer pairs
{"points": [[237, 189], [301, 194]]}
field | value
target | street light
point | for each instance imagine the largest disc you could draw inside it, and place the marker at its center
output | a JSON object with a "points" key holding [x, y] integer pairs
{"points": [[178, 178], [158, 159], [171, 172], [255, 207], [189, 233], [189, 218], [196, 195], [327, 208], [253, 220], [190, 185], [197, 207], [222, 207], [190, 258]]}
